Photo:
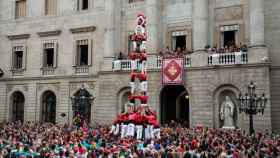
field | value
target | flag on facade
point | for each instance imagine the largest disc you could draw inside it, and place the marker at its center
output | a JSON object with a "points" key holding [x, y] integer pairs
{"points": [[172, 71]]}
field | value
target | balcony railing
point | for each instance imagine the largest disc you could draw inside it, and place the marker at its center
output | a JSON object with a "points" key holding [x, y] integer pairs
{"points": [[228, 58], [154, 62], [47, 71], [81, 69]]}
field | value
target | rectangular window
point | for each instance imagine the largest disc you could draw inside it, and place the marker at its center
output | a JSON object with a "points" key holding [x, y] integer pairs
{"points": [[50, 7], [49, 54], [83, 57], [20, 8], [132, 1], [179, 40], [83, 4], [229, 35], [18, 57]]}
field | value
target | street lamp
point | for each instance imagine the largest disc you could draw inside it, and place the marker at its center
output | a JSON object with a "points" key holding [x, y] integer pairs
{"points": [[251, 105], [80, 102]]}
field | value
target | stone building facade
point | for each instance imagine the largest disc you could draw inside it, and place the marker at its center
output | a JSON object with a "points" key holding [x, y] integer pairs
{"points": [[52, 48]]}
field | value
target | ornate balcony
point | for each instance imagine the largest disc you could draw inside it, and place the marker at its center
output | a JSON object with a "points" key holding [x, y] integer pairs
{"points": [[154, 62], [228, 58]]}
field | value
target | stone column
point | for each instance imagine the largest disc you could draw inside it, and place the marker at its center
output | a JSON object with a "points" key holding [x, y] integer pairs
{"points": [[258, 52], [200, 32], [200, 24], [256, 22], [109, 21], [153, 25]]}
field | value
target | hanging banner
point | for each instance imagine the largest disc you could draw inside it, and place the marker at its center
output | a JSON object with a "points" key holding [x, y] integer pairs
{"points": [[172, 71]]}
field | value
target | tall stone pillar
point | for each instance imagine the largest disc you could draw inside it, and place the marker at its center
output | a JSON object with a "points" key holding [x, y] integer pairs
{"points": [[153, 25], [109, 48], [200, 32], [258, 51], [256, 22]]}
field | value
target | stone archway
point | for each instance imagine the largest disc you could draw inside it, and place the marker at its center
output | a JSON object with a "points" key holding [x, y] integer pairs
{"points": [[219, 97], [17, 106], [48, 107], [123, 100], [175, 104]]}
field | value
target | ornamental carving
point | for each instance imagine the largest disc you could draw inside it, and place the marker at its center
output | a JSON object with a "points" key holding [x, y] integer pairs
{"points": [[83, 29], [229, 13]]}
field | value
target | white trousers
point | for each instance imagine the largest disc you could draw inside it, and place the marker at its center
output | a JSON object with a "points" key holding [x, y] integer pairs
{"points": [[117, 130], [144, 86], [123, 130], [147, 133], [132, 87], [130, 130], [151, 130], [133, 65], [139, 130], [113, 128], [157, 133]]}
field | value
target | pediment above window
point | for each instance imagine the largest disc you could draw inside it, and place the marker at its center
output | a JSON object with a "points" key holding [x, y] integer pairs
{"points": [[49, 33], [18, 37], [83, 29]]}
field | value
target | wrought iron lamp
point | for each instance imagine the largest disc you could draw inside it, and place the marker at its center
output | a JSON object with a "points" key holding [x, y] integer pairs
{"points": [[251, 104], [80, 101]]}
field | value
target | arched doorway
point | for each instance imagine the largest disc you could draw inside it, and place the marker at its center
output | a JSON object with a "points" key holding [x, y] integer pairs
{"points": [[48, 111], [174, 104], [124, 101], [17, 108], [81, 104]]}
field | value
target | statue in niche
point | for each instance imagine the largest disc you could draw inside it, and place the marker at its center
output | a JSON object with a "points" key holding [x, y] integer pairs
{"points": [[227, 113]]}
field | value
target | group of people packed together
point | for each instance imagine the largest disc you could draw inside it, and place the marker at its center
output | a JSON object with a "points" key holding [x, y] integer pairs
{"points": [[31, 139]]}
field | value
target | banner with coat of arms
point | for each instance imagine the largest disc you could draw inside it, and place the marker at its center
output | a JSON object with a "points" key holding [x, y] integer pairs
{"points": [[172, 71]]}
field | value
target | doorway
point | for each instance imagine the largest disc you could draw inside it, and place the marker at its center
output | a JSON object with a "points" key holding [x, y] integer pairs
{"points": [[174, 105], [48, 112], [17, 106], [179, 42], [229, 38], [81, 104]]}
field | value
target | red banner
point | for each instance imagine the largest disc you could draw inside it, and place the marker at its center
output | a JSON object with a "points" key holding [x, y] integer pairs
{"points": [[172, 71]]}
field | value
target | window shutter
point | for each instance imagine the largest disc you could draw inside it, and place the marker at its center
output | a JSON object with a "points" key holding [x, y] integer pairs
{"points": [[13, 58], [43, 57], [75, 53], [89, 51], [55, 54], [24, 58]]}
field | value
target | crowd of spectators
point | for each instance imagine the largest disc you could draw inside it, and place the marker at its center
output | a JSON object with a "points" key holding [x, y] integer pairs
{"points": [[167, 52], [227, 49], [47, 140]]}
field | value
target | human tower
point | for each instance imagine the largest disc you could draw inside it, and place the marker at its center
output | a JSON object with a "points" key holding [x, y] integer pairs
{"points": [[139, 120]]}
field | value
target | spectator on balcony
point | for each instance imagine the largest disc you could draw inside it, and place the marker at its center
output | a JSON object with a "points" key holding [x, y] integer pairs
{"points": [[179, 52], [243, 47], [120, 56]]}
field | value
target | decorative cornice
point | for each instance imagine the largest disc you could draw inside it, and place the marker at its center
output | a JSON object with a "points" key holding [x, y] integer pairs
{"points": [[17, 37], [83, 29], [49, 33]]}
